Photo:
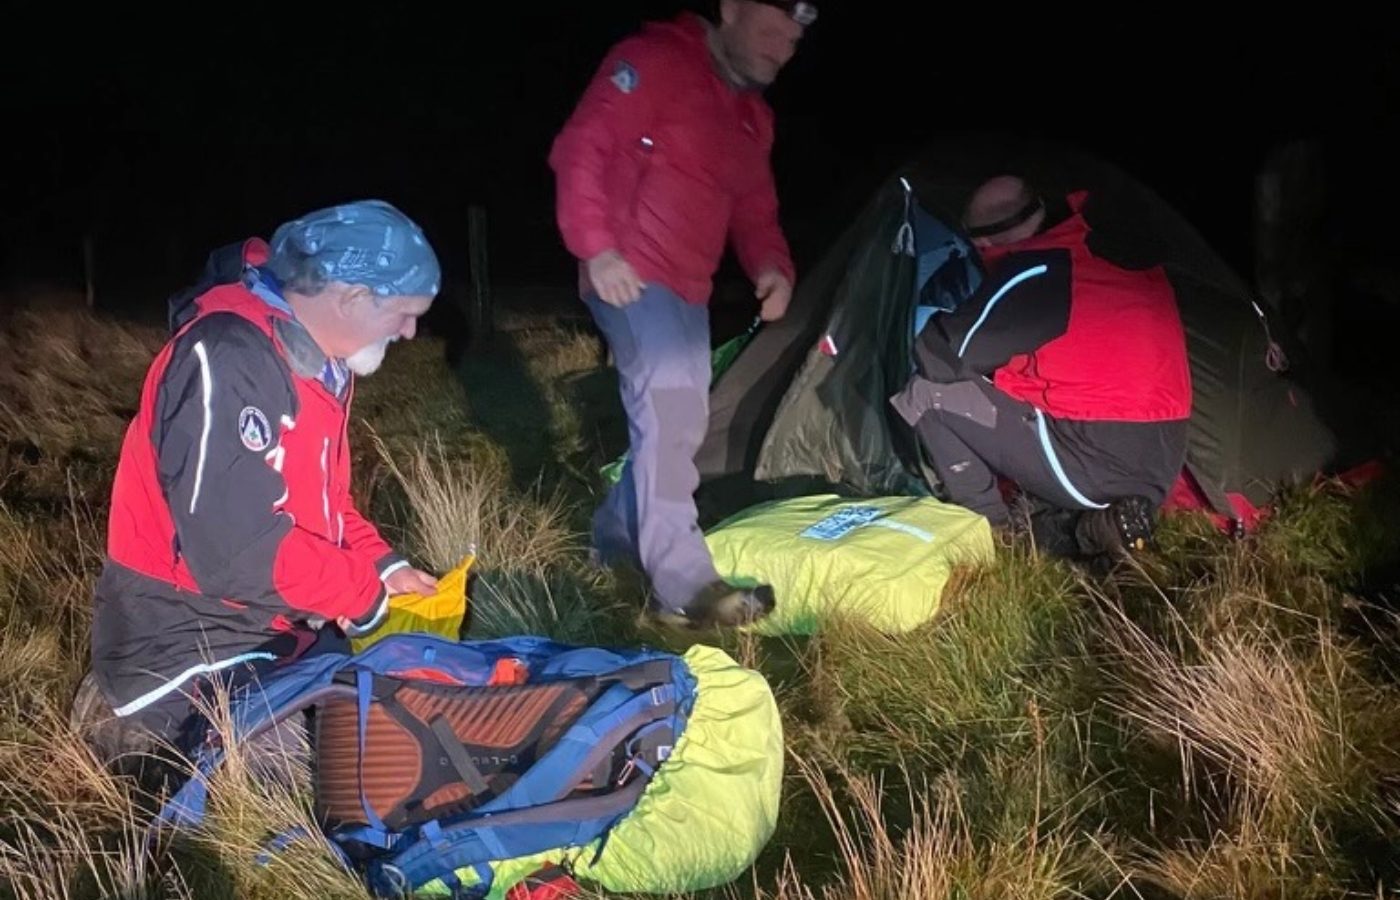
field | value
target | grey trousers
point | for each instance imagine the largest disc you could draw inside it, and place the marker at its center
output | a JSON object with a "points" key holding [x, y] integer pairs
{"points": [[661, 347]]}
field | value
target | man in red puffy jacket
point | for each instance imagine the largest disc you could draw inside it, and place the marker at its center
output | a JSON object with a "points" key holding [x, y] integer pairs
{"points": [[665, 161], [1063, 372]]}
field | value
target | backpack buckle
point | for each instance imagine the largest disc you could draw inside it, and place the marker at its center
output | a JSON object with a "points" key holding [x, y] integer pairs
{"points": [[389, 880], [509, 671]]}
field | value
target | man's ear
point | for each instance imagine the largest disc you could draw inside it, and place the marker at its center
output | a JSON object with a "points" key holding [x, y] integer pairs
{"points": [[350, 301]]}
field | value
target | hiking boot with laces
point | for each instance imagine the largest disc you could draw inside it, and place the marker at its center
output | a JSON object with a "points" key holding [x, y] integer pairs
{"points": [[719, 605], [1125, 526]]}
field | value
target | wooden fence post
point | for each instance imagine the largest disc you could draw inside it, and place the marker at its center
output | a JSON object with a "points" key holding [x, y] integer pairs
{"points": [[482, 303], [90, 271]]}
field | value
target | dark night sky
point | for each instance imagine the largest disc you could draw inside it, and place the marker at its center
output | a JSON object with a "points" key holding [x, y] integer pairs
{"points": [[164, 146]]}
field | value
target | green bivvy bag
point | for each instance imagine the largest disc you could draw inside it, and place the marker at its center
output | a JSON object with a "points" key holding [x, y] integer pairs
{"points": [[883, 560]]}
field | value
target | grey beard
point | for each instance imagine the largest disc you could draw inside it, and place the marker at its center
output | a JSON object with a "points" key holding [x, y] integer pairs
{"points": [[367, 360]]}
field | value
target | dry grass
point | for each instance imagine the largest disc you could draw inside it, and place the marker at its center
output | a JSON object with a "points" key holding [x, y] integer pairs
{"points": [[938, 855], [262, 790], [464, 505], [1292, 732], [531, 576], [62, 859], [557, 352], [1243, 863], [68, 385], [70, 829]]}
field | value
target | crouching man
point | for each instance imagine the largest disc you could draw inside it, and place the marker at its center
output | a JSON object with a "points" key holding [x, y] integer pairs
{"points": [[233, 543], [1063, 373]]}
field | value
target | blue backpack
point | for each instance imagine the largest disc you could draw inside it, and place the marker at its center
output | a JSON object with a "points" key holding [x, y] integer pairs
{"points": [[436, 759]]}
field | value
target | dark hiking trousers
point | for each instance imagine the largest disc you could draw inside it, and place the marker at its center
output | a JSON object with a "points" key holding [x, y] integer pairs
{"points": [[974, 432]]}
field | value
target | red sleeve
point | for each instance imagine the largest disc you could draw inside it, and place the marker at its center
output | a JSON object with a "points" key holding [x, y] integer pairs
{"points": [[614, 113], [364, 538], [223, 495], [757, 238], [754, 230]]}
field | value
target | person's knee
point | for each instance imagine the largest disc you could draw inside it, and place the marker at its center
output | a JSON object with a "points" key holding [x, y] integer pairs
{"points": [[678, 417]]}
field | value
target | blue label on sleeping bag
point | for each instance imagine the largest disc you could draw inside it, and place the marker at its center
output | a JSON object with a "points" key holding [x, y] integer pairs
{"points": [[842, 522]]}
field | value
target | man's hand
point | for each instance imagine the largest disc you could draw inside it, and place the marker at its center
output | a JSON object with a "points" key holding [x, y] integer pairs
{"points": [[614, 279], [405, 580], [774, 291], [409, 580]]}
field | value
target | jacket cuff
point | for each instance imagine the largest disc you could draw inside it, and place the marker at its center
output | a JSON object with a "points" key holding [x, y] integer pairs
{"points": [[388, 564], [592, 241], [372, 618]]}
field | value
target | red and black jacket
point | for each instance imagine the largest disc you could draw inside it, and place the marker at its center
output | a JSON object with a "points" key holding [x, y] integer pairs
{"points": [[1070, 333], [231, 521]]}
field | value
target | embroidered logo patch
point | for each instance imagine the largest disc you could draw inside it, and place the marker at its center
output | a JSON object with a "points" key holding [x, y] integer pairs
{"points": [[625, 77], [253, 429]]}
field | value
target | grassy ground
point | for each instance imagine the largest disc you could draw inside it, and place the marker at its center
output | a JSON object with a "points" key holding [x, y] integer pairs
{"points": [[1220, 720]]}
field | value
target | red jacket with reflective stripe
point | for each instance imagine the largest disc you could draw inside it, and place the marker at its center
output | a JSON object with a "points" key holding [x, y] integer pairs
{"points": [[1123, 355], [663, 160], [231, 510]]}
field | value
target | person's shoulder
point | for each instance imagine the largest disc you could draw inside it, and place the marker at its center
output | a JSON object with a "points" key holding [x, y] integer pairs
{"points": [[663, 46], [222, 328], [1027, 259], [225, 340]]}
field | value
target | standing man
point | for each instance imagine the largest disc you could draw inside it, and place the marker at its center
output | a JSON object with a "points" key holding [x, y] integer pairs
{"points": [[664, 160]]}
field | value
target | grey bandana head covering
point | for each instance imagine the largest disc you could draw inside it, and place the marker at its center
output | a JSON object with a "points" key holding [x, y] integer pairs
{"points": [[367, 242]]}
